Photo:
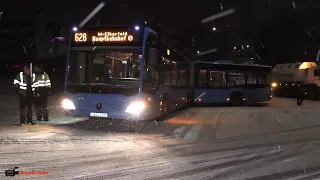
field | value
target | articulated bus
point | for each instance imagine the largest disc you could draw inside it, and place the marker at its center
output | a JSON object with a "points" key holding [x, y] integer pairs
{"points": [[235, 84], [123, 72]]}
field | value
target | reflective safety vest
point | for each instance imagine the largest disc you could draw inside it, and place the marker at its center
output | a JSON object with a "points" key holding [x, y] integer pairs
{"points": [[42, 80], [21, 82]]}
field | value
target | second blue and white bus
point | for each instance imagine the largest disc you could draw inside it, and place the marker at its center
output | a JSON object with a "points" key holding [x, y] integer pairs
{"points": [[123, 72], [235, 84]]}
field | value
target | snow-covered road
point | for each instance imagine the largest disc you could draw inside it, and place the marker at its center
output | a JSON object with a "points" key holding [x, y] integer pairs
{"points": [[267, 142]]}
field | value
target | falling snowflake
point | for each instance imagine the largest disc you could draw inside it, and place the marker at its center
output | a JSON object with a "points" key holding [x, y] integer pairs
{"points": [[294, 5], [24, 49]]}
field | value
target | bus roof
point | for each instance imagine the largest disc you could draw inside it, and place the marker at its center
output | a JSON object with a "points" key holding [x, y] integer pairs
{"points": [[232, 64], [232, 67], [111, 27]]}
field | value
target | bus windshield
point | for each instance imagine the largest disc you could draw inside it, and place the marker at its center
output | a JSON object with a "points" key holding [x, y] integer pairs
{"points": [[113, 67]]}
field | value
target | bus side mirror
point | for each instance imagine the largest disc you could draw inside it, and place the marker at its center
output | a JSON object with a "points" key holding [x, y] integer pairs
{"points": [[153, 56]]}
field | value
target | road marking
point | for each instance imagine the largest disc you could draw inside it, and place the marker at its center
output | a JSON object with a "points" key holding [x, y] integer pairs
{"points": [[193, 133]]}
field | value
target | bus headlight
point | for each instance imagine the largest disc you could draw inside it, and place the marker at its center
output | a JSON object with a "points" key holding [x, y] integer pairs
{"points": [[67, 104], [135, 108], [274, 85]]}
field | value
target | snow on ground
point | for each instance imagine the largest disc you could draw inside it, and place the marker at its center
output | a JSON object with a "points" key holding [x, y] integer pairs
{"points": [[105, 156], [223, 122], [261, 142], [9, 106], [291, 103], [212, 122]]}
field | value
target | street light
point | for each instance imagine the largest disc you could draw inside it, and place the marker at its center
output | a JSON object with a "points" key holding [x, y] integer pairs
{"points": [[75, 29], [137, 28], [214, 28]]}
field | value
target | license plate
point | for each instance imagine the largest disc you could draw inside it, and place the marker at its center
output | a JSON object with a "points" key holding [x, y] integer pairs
{"points": [[99, 115]]}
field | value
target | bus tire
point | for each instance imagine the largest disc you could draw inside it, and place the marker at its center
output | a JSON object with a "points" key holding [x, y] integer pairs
{"points": [[236, 99]]}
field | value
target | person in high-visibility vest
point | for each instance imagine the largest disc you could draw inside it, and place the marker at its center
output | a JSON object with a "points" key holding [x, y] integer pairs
{"points": [[43, 84], [25, 88]]}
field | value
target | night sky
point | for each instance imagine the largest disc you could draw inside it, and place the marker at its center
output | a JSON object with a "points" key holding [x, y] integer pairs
{"points": [[277, 30]]}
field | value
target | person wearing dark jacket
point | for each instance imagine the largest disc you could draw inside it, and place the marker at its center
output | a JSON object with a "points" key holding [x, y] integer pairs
{"points": [[301, 94], [24, 83], [43, 86]]}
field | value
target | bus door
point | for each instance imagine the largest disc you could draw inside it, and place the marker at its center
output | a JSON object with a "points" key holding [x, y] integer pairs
{"points": [[167, 82], [182, 84], [217, 85], [264, 81], [201, 86], [252, 90], [174, 93]]}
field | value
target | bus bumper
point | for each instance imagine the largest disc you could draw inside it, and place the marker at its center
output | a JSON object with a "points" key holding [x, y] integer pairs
{"points": [[150, 115]]}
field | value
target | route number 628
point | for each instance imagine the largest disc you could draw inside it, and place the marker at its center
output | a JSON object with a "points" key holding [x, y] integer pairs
{"points": [[80, 37]]}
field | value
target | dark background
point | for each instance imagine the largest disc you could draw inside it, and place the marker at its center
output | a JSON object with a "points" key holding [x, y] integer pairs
{"points": [[277, 31]]}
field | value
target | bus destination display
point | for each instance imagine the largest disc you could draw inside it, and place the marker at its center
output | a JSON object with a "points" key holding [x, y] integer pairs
{"points": [[103, 37]]}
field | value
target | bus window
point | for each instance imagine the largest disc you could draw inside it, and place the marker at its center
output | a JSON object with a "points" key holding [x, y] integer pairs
{"points": [[252, 78], [233, 81], [182, 78], [202, 79], [264, 78], [150, 79], [156, 75], [217, 79], [165, 78], [99, 67], [174, 78], [235, 74]]}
